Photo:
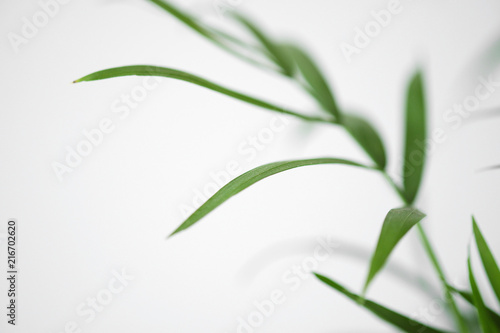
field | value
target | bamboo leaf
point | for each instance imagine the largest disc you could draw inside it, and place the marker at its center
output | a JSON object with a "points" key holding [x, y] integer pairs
{"points": [[235, 40], [185, 18], [274, 51], [396, 224], [222, 39], [144, 70], [489, 263], [469, 298], [403, 322], [248, 179], [487, 323], [414, 155], [366, 135], [318, 85]]}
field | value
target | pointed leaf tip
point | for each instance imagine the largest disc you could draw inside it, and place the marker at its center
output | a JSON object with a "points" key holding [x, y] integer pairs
{"points": [[485, 320], [251, 177], [489, 263], [396, 224]]}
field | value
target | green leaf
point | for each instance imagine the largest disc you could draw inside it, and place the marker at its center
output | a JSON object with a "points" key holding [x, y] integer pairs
{"points": [[469, 298], [489, 263], [487, 323], [248, 179], [414, 155], [144, 70], [213, 35], [235, 40], [403, 322], [318, 86], [185, 18], [274, 51], [366, 135], [396, 224]]}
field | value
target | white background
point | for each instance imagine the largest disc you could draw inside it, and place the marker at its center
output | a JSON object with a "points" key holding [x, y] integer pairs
{"points": [[116, 208]]}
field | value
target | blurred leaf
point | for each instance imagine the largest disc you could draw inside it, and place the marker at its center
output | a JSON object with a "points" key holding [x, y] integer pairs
{"points": [[396, 224], [469, 298], [414, 156], [215, 36], [487, 323], [234, 40], [144, 70], [366, 135], [274, 51], [403, 322], [248, 179], [485, 63], [489, 263], [185, 18], [318, 86]]}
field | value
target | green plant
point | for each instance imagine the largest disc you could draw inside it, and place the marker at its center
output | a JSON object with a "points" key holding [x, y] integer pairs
{"points": [[294, 63]]}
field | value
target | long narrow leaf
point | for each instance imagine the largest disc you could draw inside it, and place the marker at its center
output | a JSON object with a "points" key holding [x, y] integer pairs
{"points": [[211, 34], [318, 86], [248, 179], [396, 224], [366, 135], [145, 70], [274, 51], [235, 41], [416, 132], [403, 322], [489, 263], [495, 317], [487, 323]]}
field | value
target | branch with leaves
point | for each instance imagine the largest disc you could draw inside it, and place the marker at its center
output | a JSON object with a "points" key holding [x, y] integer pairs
{"points": [[295, 64]]}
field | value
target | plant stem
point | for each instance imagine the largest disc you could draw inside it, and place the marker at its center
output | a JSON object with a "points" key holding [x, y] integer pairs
{"points": [[434, 260], [460, 321], [437, 266], [395, 186], [309, 118]]}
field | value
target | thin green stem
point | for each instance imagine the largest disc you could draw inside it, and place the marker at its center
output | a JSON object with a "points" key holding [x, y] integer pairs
{"points": [[447, 290], [460, 321], [395, 186], [423, 236], [309, 118]]}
